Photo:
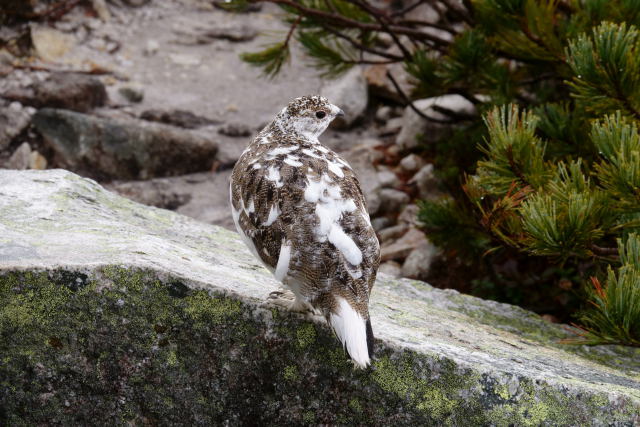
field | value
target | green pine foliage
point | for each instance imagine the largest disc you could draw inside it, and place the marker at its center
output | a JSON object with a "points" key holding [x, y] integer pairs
{"points": [[544, 183], [615, 316]]}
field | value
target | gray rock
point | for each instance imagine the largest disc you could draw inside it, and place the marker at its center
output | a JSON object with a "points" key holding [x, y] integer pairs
{"points": [[381, 86], [381, 223], [388, 179], [411, 163], [180, 118], [383, 113], [125, 149], [348, 92], [418, 262], [132, 94], [115, 311], [391, 127], [20, 158], [414, 125], [235, 130], [402, 247], [391, 268], [361, 159], [199, 36], [70, 91], [409, 215], [13, 120], [427, 183], [393, 232], [392, 200]]}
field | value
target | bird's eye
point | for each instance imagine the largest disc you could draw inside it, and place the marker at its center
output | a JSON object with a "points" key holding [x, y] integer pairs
{"points": [[320, 114]]}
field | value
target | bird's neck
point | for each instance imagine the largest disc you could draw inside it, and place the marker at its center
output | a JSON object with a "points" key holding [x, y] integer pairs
{"points": [[279, 130]]}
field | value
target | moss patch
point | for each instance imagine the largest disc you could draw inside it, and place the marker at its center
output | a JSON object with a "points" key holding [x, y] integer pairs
{"points": [[121, 346]]}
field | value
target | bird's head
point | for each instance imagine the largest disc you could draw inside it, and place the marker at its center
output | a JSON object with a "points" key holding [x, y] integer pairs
{"points": [[307, 116]]}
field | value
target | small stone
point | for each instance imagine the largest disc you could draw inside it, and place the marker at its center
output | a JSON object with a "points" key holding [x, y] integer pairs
{"points": [[415, 126], [426, 182], [151, 48], [185, 59], [50, 44], [391, 233], [392, 200], [391, 127], [242, 33], [37, 161], [361, 159], [101, 9], [380, 223], [388, 179], [20, 158], [180, 118], [132, 94], [411, 163], [409, 215], [402, 247], [419, 261], [383, 113], [235, 130], [392, 268], [13, 120], [380, 85], [349, 92]]}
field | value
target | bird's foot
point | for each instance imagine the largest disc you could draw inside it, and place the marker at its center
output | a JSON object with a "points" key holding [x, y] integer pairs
{"points": [[289, 301]]}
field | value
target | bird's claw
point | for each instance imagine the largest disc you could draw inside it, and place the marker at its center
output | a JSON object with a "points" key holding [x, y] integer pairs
{"points": [[289, 301]]}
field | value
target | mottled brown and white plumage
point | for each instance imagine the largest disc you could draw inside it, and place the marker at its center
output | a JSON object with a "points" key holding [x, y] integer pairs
{"points": [[299, 208]]}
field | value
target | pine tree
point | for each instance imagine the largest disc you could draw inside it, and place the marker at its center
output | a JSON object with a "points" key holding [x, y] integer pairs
{"points": [[550, 166]]}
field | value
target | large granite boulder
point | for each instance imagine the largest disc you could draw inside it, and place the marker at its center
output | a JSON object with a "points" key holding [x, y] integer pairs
{"points": [[123, 148], [115, 313]]}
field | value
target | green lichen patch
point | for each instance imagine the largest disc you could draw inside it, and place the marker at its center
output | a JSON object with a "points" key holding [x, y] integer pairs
{"points": [[123, 346]]}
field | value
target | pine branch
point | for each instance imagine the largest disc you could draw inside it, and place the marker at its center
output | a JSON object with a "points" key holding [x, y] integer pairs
{"points": [[358, 45], [343, 21], [410, 103], [378, 16]]}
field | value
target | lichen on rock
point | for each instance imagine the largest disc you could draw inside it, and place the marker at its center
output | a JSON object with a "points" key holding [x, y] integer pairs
{"points": [[117, 312]]}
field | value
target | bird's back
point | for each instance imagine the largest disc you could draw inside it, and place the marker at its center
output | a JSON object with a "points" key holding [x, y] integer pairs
{"points": [[298, 196]]}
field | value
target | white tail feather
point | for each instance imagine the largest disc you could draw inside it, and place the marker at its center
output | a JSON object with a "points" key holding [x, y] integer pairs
{"points": [[350, 327]]}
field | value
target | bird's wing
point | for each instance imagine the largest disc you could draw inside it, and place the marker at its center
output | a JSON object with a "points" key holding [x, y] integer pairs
{"points": [[256, 203]]}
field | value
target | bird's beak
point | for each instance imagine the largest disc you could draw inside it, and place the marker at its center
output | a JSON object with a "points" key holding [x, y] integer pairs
{"points": [[337, 111]]}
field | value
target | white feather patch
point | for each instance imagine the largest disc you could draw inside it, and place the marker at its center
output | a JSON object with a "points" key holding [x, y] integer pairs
{"points": [[293, 161], [335, 168], [274, 212], [329, 208], [282, 268], [274, 175], [350, 327]]}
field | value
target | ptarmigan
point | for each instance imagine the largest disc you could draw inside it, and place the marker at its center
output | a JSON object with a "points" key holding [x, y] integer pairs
{"points": [[299, 208]]}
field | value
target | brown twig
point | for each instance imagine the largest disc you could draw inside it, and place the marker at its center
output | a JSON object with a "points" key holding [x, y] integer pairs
{"points": [[599, 250], [361, 46], [378, 16], [515, 168], [292, 29], [407, 9], [456, 115]]}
